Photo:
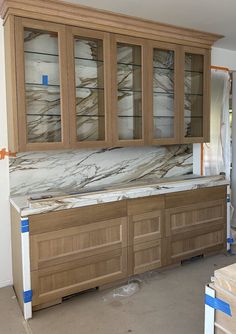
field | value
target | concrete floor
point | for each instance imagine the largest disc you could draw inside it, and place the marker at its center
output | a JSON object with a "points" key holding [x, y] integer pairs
{"points": [[170, 302]]}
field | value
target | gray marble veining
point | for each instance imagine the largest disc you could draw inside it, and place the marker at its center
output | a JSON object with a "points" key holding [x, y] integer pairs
{"points": [[72, 170]]}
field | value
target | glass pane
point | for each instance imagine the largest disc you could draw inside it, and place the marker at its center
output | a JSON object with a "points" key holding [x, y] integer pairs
{"points": [[193, 97], [42, 86], [89, 80], [163, 94], [163, 127], [129, 82], [90, 114], [163, 59]]}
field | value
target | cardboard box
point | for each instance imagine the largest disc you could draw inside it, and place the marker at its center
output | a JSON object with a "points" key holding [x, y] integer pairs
{"points": [[220, 308]]}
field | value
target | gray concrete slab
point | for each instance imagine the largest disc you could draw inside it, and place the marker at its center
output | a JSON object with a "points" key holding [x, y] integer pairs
{"points": [[168, 302]]}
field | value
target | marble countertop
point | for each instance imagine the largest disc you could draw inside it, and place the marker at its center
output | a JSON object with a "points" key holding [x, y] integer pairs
{"points": [[90, 196]]}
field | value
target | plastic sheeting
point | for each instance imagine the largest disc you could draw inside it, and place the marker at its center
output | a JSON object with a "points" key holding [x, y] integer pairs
{"points": [[217, 156]]}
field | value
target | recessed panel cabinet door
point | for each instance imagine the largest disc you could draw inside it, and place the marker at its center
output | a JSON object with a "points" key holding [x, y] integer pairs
{"points": [[196, 91], [128, 90], [163, 93], [88, 87], [42, 85]]}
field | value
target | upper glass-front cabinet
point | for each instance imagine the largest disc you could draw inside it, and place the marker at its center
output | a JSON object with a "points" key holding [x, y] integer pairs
{"points": [[42, 99], [127, 91], [88, 87], [196, 90], [77, 87], [163, 119]]}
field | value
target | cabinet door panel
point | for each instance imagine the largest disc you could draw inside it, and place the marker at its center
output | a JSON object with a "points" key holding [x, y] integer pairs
{"points": [[89, 87], [128, 91], [62, 280], [48, 249], [146, 256], [42, 82], [189, 218], [196, 95], [146, 227], [186, 247], [163, 94]]}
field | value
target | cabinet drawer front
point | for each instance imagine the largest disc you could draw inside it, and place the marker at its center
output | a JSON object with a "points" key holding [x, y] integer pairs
{"points": [[145, 227], [195, 196], [71, 277], [58, 220], [142, 205], [196, 245], [48, 249], [193, 217], [146, 256]]}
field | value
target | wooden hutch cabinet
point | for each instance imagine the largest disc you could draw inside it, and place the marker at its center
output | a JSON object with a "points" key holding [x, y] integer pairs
{"points": [[80, 77]]}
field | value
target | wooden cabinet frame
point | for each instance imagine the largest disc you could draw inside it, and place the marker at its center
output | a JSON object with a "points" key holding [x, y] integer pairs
{"points": [[142, 43], [81, 248], [206, 95], [20, 24], [71, 33], [69, 20], [177, 72]]}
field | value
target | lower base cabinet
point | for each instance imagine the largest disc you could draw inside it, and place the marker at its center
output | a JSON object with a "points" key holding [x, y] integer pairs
{"points": [[78, 249]]}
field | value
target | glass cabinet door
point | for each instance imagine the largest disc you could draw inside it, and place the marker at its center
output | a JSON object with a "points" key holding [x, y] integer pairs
{"points": [[164, 110], [41, 98], [196, 90], [128, 91], [87, 70]]}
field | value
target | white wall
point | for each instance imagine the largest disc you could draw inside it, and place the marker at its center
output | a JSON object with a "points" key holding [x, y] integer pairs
{"points": [[224, 58], [5, 240]]}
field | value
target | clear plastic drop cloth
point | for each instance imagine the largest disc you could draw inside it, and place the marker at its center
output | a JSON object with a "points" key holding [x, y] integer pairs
{"points": [[217, 153]]}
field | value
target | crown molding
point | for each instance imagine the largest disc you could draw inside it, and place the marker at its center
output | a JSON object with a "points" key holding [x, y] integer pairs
{"points": [[58, 11]]}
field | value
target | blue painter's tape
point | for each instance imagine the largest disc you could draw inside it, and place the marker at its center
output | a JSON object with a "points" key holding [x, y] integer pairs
{"points": [[24, 225], [45, 80], [230, 240], [27, 296], [218, 304], [228, 199]]}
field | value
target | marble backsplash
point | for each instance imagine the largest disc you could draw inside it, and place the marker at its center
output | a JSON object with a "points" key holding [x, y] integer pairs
{"points": [[70, 170]]}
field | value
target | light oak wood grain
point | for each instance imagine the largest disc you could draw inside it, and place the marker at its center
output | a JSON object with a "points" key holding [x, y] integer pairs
{"points": [[82, 16], [16, 256]]}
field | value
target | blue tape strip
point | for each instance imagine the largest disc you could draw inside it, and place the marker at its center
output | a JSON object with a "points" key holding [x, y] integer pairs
{"points": [[230, 240], [24, 225], [228, 198], [45, 80], [27, 296], [218, 304]]}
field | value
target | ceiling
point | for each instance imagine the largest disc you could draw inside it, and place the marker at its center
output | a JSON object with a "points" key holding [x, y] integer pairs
{"points": [[207, 15]]}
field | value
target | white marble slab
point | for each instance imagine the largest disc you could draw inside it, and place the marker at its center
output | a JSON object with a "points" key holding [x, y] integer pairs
{"points": [[72, 170], [26, 207]]}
